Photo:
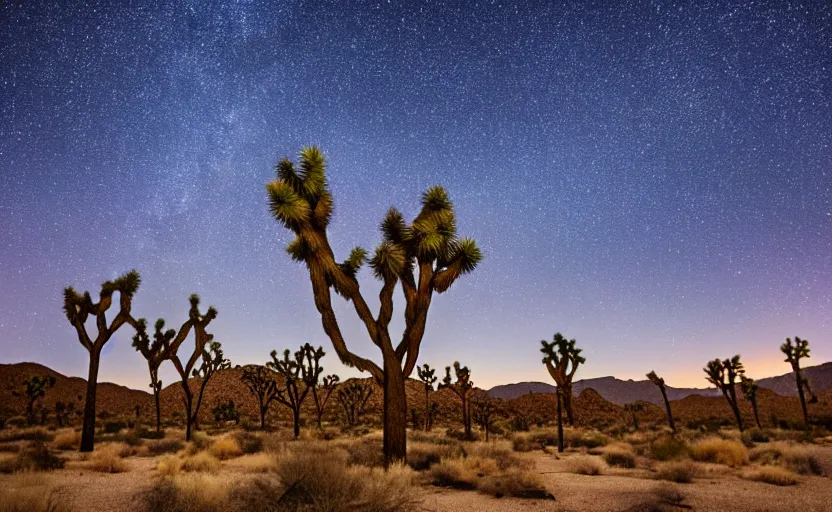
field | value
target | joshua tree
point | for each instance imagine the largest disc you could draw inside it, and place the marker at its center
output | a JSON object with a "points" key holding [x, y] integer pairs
{"points": [[198, 321], [462, 388], [353, 397], [428, 378], [321, 392], [60, 413], [260, 381], [213, 360], [301, 201], [485, 408], [78, 309], [724, 375], [794, 353], [562, 360], [154, 354], [226, 412], [634, 408], [33, 389], [659, 381], [749, 391], [298, 372]]}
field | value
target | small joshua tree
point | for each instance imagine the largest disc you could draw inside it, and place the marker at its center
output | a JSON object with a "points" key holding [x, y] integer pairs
{"points": [[724, 375], [78, 309], [213, 360], [462, 388], [298, 373], [226, 412], [198, 322], [300, 200], [634, 408], [32, 390], [353, 397], [484, 413], [154, 354], [428, 378], [659, 381], [794, 353], [562, 360], [321, 392], [749, 391], [260, 381]]}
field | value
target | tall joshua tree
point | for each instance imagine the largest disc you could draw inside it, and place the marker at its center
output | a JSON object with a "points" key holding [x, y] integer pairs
{"points": [[749, 391], [213, 360], [462, 388], [78, 309], [298, 372], [202, 342], [724, 375], [428, 377], [301, 201], [353, 397], [32, 390], [321, 392], [260, 381], [794, 353], [154, 354], [562, 359], [659, 381]]}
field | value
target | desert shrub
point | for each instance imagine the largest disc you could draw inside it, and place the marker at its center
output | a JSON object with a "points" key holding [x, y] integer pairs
{"points": [[799, 459], [107, 459], [199, 441], [9, 448], [709, 425], [668, 448], [129, 437], [16, 421], [586, 465], [421, 456], [225, 447], [113, 427], [545, 438], [165, 446], [524, 442], [249, 442], [680, 472], [27, 434], [460, 435], [518, 423], [202, 462], [454, 474], [720, 451], [668, 493], [501, 455], [755, 435], [34, 457], [145, 433], [188, 493], [515, 483], [169, 465], [771, 475], [29, 494], [258, 463], [364, 451], [69, 440], [619, 458], [578, 439]]}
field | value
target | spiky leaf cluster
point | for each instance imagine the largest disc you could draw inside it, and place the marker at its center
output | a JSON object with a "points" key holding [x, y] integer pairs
{"points": [[795, 351], [724, 373], [562, 358], [655, 379], [427, 375], [213, 360], [35, 387], [463, 385], [749, 388]]}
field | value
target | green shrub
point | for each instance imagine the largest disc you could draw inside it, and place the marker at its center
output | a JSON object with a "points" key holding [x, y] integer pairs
{"points": [[668, 448], [679, 472], [620, 458], [249, 442], [34, 457], [165, 446]]}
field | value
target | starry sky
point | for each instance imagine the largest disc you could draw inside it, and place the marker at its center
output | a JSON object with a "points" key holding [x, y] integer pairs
{"points": [[653, 179]]}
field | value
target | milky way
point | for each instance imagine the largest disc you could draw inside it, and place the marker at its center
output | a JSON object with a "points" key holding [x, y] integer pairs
{"points": [[654, 180]]}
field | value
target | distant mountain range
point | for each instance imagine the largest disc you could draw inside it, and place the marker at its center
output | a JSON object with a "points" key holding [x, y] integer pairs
{"points": [[622, 392]]}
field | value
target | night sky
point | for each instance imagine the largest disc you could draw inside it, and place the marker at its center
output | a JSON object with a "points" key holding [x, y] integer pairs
{"points": [[652, 179]]}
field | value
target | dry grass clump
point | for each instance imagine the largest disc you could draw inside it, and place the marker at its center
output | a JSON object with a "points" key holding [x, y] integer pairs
{"points": [[619, 458], [249, 442], [668, 448], [501, 454], [680, 472], [799, 459], [68, 440], [163, 446], [26, 434], [574, 438], [720, 451], [772, 475], [454, 474], [516, 483], [34, 457], [421, 456], [258, 463], [225, 448], [586, 465], [108, 459], [202, 462], [188, 493], [169, 465], [363, 451], [29, 494], [525, 442]]}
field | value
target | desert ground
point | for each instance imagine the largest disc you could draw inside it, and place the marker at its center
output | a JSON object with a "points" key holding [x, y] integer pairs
{"points": [[335, 469]]}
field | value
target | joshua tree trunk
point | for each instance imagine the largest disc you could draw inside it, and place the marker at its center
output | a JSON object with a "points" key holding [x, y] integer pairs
{"points": [[667, 409], [756, 413], [395, 412], [189, 402], [296, 422], [560, 421], [262, 415], [466, 417], [427, 409], [567, 403], [734, 409], [158, 410], [88, 430], [802, 395]]}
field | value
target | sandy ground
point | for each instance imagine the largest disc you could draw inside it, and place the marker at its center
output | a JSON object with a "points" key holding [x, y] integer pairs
{"points": [[616, 490]]}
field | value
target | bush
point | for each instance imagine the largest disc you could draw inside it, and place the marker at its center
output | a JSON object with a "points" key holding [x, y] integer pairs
{"points": [[755, 435], [576, 439], [799, 459], [586, 465], [517, 484], [70, 440], [772, 475], [679, 472], [29, 495], [365, 451], [165, 446], [225, 447], [34, 457], [668, 448], [619, 458], [108, 459], [519, 424], [202, 462], [454, 474], [720, 451], [188, 493], [16, 421], [199, 441], [249, 442], [459, 435], [169, 465], [524, 443], [145, 433], [39, 434], [114, 427]]}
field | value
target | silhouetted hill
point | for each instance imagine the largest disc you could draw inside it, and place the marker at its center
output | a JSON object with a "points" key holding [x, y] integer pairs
{"points": [[820, 378]]}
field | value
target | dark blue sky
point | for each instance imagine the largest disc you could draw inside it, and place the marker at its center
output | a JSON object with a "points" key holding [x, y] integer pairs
{"points": [[653, 179]]}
